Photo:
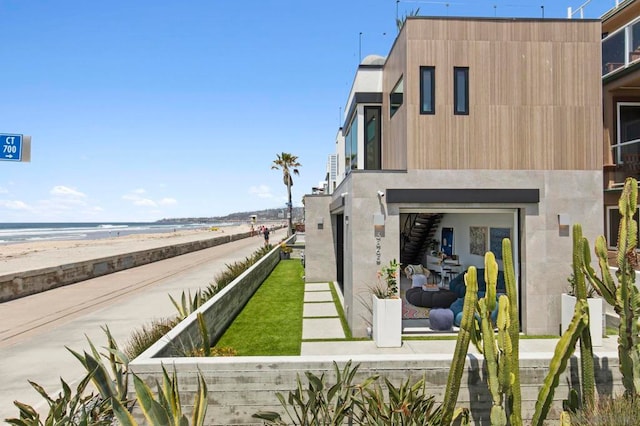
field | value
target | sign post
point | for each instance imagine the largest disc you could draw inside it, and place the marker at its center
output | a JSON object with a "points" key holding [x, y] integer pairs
{"points": [[15, 147]]}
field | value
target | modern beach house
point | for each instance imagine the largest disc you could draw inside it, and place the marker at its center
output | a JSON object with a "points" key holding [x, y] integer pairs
{"points": [[468, 131], [621, 105]]}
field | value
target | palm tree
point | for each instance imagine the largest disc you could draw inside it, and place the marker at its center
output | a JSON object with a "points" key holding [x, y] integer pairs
{"points": [[288, 163]]}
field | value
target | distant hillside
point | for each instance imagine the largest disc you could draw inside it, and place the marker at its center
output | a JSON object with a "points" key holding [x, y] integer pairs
{"points": [[268, 214]]}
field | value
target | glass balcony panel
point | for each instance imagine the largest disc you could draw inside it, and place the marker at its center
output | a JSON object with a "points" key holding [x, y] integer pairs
{"points": [[613, 52], [634, 43]]}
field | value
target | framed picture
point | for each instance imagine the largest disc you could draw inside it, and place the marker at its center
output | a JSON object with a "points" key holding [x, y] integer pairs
{"points": [[478, 240], [496, 235]]}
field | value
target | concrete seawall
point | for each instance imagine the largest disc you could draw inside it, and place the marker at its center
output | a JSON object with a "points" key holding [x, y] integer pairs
{"points": [[20, 284]]}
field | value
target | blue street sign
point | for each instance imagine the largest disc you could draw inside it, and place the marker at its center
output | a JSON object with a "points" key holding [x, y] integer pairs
{"points": [[10, 147]]}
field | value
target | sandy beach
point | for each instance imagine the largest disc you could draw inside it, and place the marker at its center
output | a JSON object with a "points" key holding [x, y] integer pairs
{"points": [[43, 254]]}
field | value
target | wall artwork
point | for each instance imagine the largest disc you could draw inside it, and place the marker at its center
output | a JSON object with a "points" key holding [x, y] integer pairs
{"points": [[496, 235], [478, 240], [447, 241]]}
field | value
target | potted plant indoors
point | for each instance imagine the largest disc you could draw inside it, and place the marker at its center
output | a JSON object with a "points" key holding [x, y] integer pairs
{"points": [[387, 307], [596, 317], [285, 251]]}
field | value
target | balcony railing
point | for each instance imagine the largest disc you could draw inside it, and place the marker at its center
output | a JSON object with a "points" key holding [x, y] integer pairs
{"points": [[628, 164], [621, 48]]}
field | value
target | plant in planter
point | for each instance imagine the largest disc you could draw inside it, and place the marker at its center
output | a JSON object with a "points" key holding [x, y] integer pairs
{"points": [[387, 307], [285, 251], [568, 303]]}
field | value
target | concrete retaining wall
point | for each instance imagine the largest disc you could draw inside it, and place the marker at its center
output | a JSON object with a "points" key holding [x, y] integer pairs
{"points": [[239, 387], [16, 285]]}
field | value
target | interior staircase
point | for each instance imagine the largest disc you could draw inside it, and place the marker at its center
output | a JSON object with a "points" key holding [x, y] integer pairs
{"points": [[418, 231]]}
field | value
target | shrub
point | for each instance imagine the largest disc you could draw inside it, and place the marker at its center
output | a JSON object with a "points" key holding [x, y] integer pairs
{"points": [[140, 340], [609, 411]]}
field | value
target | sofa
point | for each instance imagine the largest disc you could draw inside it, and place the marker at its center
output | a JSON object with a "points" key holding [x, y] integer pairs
{"points": [[430, 299]]}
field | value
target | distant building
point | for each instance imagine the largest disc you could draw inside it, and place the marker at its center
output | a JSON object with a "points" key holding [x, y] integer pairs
{"points": [[621, 103]]}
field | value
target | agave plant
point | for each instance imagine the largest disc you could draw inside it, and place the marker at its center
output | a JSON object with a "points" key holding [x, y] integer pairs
{"points": [[67, 408], [188, 303], [166, 410], [70, 408], [364, 404]]}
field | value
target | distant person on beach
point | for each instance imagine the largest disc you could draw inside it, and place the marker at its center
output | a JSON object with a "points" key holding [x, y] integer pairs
{"points": [[266, 236]]}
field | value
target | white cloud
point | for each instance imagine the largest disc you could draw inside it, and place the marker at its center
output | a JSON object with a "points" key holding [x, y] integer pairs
{"points": [[136, 198], [15, 205], [145, 202], [168, 201], [65, 191], [262, 191]]}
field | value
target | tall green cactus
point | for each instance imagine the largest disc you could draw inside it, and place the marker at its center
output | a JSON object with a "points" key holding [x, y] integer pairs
{"points": [[578, 329], [497, 351], [514, 399], [467, 329], [623, 295], [501, 351], [564, 349], [586, 348]]}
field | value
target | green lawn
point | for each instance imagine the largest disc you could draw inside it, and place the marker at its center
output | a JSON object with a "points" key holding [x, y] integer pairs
{"points": [[271, 323]]}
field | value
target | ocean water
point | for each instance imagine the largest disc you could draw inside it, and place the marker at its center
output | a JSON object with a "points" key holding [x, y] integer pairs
{"points": [[11, 233]]}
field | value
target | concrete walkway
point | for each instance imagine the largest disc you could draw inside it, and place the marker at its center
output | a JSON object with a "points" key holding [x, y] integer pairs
{"points": [[320, 319]]}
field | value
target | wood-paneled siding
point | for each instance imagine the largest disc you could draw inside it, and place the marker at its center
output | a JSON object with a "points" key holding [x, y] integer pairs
{"points": [[534, 95], [394, 129]]}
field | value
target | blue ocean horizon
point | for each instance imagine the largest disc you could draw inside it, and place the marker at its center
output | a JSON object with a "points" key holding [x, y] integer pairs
{"points": [[14, 232]]}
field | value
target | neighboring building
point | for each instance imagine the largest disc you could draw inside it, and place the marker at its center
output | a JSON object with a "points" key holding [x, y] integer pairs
{"points": [[621, 106], [470, 129]]}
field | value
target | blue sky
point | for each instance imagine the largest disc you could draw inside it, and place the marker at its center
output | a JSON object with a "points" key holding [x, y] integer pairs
{"points": [[142, 110]]}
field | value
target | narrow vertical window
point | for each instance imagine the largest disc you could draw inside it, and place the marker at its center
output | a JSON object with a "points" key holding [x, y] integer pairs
{"points": [[372, 138], [396, 97], [427, 90], [461, 90]]}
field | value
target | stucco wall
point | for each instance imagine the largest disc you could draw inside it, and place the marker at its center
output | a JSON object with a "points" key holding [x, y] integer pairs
{"points": [[319, 251], [545, 251]]}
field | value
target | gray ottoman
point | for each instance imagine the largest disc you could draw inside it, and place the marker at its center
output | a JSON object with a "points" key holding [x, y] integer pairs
{"points": [[441, 319]]}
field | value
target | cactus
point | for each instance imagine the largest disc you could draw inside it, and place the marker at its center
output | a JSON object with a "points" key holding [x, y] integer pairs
{"points": [[497, 351], [586, 349], [514, 399], [564, 349], [624, 295], [501, 351], [578, 329], [467, 329]]}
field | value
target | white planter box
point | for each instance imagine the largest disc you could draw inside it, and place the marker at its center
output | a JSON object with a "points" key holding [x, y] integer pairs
{"points": [[596, 317], [387, 322]]}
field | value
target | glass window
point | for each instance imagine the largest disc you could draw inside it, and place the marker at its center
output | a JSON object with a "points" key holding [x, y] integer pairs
{"points": [[461, 90], [627, 148], [613, 52], [372, 138], [351, 146], [427, 90], [396, 97]]}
